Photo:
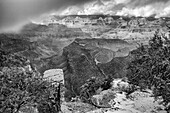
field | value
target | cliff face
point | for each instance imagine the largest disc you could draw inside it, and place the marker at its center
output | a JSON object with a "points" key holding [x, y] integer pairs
{"points": [[84, 59]]}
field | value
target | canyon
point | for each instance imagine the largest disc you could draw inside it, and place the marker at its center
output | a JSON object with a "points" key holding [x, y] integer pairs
{"points": [[83, 47]]}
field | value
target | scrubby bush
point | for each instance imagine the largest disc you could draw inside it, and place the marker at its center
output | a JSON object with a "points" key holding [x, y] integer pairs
{"points": [[150, 67], [21, 87]]}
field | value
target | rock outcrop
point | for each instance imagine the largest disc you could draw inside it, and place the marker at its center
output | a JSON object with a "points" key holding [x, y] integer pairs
{"points": [[54, 75], [80, 67]]}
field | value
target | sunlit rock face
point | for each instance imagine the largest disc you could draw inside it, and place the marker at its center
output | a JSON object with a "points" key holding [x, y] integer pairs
{"points": [[55, 75]]}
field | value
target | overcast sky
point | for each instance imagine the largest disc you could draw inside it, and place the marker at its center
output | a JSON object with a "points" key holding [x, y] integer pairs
{"points": [[17, 12]]}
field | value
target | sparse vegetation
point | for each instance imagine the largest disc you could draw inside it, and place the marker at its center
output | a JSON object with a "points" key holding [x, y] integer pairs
{"points": [[91, 86], [150, 68]]}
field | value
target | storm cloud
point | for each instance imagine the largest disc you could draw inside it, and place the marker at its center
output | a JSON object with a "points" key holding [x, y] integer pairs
{"points": [[17, 12]]}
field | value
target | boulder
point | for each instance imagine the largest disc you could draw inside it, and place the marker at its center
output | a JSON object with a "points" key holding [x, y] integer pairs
{"points": [[103, 99]]}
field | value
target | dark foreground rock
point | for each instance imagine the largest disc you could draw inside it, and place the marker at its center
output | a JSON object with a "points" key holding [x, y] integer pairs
{"points": [[80, 67]]}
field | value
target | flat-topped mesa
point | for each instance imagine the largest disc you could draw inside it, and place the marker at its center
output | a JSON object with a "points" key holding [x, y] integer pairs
{"points": [[120, 48]]}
